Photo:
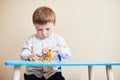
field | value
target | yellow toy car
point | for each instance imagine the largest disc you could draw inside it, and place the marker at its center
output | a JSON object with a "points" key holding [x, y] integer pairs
{"points": [[47, 57]]}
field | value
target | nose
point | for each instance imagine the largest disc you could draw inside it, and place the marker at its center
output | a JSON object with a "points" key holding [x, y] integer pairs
{"points": [[44, 33]]}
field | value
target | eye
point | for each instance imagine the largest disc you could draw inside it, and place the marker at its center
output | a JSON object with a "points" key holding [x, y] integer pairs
{"points": [[48, 29], [39, 29]]}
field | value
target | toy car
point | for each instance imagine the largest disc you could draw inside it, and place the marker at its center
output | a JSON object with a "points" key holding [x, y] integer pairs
{"points": [[46, 57]]}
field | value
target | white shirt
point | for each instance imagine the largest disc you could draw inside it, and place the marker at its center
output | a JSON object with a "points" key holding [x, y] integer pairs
{"points": [[34, 45]]}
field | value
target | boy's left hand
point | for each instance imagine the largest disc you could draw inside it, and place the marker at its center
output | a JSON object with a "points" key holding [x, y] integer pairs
{"points": [[51, 48]]}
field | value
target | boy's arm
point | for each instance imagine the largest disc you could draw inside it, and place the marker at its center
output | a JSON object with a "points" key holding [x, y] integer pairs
{"points": [[25, 53], [26, 50], [65, 51]]}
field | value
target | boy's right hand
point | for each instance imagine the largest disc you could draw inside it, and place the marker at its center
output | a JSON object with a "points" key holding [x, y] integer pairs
{"points": [[33, 57]]}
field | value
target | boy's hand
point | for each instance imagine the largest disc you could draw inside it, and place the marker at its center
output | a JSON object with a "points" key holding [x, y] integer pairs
{"points": [[51, 48], [33, 57]]}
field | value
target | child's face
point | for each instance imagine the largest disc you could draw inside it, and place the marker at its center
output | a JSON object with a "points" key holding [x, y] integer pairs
{"points": [[44, 31]]}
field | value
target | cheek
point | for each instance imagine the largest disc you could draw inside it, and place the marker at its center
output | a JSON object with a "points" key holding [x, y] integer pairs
{"points": [[39, 32], [50, 32]]}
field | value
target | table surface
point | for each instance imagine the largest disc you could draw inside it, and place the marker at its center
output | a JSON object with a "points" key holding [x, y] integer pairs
{"points": [[37, 63]]}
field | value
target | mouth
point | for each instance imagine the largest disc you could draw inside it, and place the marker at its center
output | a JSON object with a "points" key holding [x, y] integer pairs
{"points": [[44, 37]]}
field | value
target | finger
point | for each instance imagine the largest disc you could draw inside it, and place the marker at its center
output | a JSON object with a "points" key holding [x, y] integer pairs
{"points": [[36, 57], [31, 59]]}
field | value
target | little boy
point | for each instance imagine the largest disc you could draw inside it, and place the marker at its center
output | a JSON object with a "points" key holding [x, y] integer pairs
{"points": [[44, 40]]}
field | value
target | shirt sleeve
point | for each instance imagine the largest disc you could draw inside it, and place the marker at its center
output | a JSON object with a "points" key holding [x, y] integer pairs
{"points": [[26, 49], [65, 51]]}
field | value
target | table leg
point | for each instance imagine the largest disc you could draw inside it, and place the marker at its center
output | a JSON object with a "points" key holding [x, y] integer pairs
{"points": [[90, 73], [109, 73], [16, 75]]}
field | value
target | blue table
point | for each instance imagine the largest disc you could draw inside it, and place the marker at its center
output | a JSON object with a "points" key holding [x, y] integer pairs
{"points": [[17, 66]]}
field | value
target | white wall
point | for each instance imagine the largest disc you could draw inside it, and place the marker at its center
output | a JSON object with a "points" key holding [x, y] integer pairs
{"points": [[90, 27]]}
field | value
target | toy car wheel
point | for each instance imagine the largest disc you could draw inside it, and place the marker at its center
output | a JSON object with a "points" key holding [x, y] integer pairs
{"points": [[47, 59], [40, 59]]}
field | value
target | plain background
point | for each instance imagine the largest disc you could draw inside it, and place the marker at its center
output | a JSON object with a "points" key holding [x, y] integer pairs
{"points": [[90, 27]]}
